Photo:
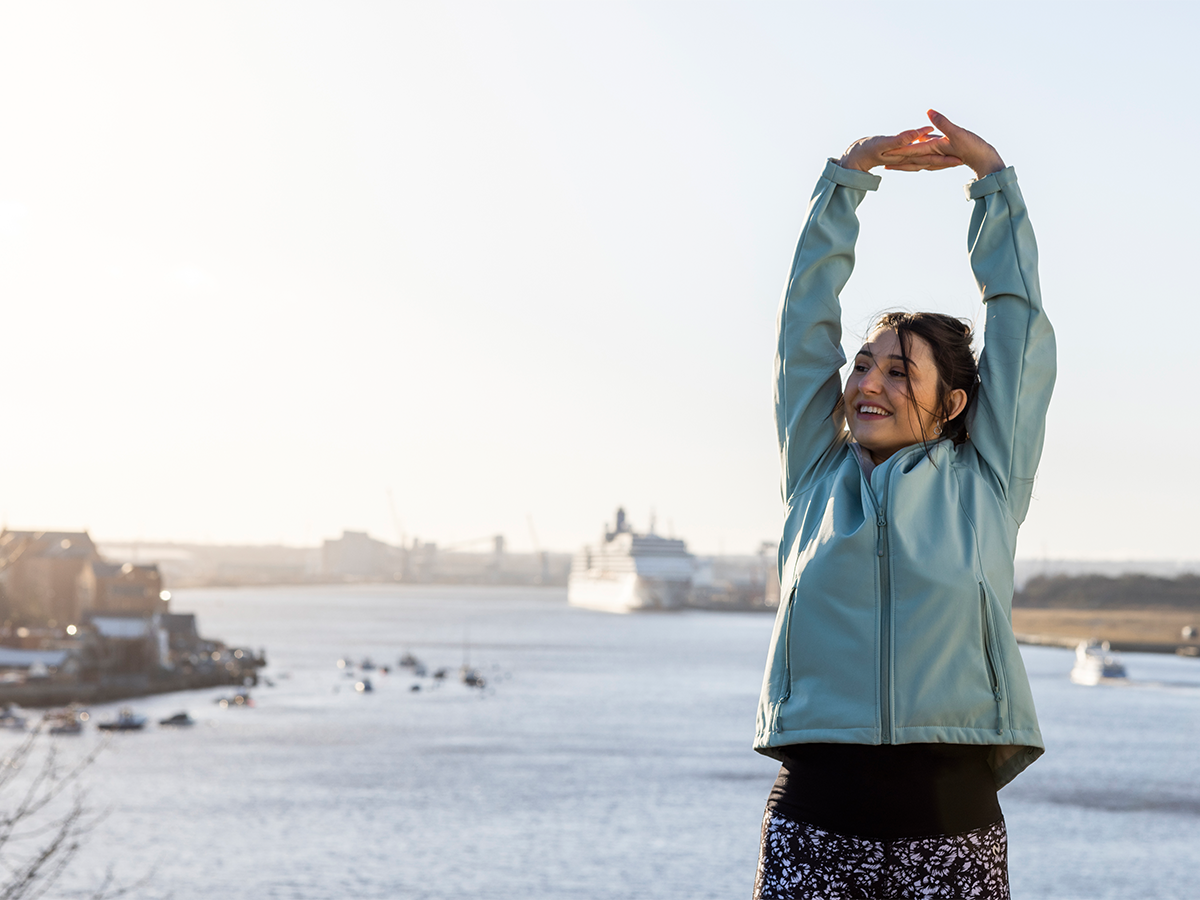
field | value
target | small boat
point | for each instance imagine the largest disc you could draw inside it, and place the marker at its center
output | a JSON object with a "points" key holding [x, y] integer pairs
{"points": [[13, 717], [1094, 665], [68, 720], [236, 700], [126, 720], [472, 677], [364, 686], [366, 665], [408, 661], [180, 718]]}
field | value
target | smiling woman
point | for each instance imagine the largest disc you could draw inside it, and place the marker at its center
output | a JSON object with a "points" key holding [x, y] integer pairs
{"points": [[895, 696], [915, 379]]}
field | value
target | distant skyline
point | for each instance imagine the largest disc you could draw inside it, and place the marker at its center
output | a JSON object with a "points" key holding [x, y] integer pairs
{"points": [[263, 265]]}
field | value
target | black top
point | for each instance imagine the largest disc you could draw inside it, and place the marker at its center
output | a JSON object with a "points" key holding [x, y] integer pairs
{"points": [[887, 792]]}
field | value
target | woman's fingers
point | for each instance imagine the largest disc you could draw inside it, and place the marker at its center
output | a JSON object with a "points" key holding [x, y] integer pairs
{"points": [[919, 164], [932, 144], [912, 137], [970, 147], [941, 121], [908, 138]]}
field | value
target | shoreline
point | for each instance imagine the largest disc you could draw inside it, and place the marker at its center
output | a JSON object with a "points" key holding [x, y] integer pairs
{"points": [[1126, 630]]}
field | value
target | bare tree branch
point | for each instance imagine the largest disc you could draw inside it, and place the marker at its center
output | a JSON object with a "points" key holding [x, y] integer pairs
{"points": [[37, 843]]}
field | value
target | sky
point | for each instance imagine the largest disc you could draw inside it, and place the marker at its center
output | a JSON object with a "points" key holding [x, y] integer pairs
{"points": [[449, 270]]}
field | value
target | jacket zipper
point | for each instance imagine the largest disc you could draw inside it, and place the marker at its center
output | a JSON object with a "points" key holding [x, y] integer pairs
{"points": [[989, 655], [885, 613], [887, 735]]}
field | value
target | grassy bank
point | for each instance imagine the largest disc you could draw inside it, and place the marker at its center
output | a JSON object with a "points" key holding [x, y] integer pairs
{"points": [[1152, 626]]}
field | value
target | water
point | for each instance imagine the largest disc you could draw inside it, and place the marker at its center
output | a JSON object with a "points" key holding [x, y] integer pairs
{"points": [[608, 758]]}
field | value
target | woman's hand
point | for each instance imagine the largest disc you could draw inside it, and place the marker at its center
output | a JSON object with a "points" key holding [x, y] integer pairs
{"points": [[909, 151], [966, 146]]}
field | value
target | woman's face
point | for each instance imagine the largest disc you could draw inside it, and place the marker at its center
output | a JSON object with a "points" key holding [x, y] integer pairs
{"points": [[882, 416]]}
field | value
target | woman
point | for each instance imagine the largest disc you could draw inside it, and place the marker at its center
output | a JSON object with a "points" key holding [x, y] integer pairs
{"points": [[895, 696]]}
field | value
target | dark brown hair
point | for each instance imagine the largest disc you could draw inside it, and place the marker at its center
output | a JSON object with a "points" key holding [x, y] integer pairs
{"points": [[949, 340]]}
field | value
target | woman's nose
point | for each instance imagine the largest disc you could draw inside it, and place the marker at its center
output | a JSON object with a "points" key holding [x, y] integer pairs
{"points": [[871, 381]]}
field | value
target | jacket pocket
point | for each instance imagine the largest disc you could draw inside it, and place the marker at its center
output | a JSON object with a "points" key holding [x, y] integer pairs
{"points": [[786, 638], [991, 655], [777, 680]]}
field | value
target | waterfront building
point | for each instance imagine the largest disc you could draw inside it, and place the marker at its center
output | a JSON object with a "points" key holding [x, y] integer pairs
{"points": [[125, 588], [130, 644], [39, 574]]}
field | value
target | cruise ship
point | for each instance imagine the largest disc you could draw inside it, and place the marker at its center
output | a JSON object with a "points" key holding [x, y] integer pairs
{"points": [[628, 572]]}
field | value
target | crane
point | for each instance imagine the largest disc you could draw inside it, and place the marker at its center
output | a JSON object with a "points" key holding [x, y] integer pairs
{"points": [[543, 557]]}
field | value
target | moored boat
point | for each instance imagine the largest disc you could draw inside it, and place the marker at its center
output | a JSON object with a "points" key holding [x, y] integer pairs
{"points": [[13, 717], [471, 677], [68, 720], [1094, 665], [126, 720]]}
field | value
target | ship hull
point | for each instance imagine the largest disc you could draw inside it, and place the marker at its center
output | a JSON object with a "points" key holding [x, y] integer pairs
{"points": [[626, 592]]}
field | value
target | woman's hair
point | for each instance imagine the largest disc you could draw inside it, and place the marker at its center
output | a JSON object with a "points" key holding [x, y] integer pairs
{"points": [[949, 340]]}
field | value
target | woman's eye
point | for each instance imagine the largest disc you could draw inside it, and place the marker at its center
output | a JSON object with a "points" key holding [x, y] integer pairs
{"points": [[897, 373], [859, 367]]}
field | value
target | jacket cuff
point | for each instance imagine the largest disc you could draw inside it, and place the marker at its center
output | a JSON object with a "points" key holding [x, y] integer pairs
{"points": [[989, 184], [851, 178]]}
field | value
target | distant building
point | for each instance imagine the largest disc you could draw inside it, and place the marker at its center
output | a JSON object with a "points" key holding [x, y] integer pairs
{"points": [[122, 588], [39, 574], [357, 555]]}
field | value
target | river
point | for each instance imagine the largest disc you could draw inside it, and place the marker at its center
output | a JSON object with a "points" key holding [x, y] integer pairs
{"points": [[608, 758]]}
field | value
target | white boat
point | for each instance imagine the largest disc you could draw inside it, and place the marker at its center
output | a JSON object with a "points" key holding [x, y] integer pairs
{"points": [[626, 572], [1094, 665]]}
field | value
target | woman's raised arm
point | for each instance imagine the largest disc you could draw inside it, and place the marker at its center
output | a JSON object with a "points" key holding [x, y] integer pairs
{"points": [[1017, 366], [809, 357]]}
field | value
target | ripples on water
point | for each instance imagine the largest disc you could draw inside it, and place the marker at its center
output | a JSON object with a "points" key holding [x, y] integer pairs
{"points": [[608, 758]]}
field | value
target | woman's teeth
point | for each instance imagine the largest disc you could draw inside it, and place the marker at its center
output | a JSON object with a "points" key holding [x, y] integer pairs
{"points": [[873, 411]]}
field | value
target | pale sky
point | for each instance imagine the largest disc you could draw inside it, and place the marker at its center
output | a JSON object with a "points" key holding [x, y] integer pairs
{"points": [[263, 263]]}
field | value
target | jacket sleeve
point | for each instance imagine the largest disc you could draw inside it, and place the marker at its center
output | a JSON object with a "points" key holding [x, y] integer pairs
{"points": [[1017, 366], [809, 356]]}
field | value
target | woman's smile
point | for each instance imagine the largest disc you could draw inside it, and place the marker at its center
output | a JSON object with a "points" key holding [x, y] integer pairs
{"points": [[893, 394], [868, 411]]}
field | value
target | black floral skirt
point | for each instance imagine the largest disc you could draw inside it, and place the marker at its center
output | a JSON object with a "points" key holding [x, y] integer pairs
{"points": [[802, 862]]}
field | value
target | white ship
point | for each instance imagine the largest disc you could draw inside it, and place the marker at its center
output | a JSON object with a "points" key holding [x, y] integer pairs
{"points": [[1093, 665], [627, 572]]}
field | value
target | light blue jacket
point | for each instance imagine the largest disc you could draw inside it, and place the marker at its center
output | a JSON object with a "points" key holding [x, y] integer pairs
{"points": [[895, 624]]}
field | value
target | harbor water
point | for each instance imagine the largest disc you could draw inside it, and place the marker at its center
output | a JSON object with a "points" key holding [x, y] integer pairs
{"points": [[607, 758]]}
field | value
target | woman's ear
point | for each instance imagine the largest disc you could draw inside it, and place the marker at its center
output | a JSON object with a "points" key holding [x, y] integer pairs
{"points": [[955, 403]]}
